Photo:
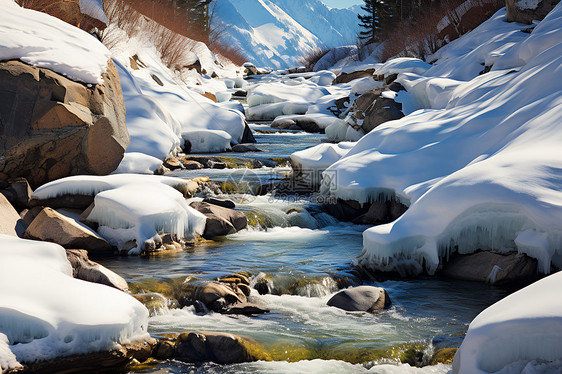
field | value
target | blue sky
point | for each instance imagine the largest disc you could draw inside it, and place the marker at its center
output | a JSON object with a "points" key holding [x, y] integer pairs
{"points": [[341, 3]]}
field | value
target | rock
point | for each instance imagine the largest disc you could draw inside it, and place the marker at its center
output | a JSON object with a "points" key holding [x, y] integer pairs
{"points": [[241, 93], [373, 109], [210, 96], [224, 203], [173, 163], [51, 226], [525, 12], [192, 165], [250, 69], [246, 290], [220, 221], [262, 287], [308, 125], [84, 217], [111, 361], [28, 215], [346, 210], [480, 267], [20, 192], [361, 299], [67, 201], [54, 127], [443, 356], [196, 66], [90, 271], [348, 77], [221, 348], [381, 212], [246, 309], [216, 296], [10, 221], [165, 350], [236, 278], [241, 148], [153, 301]]}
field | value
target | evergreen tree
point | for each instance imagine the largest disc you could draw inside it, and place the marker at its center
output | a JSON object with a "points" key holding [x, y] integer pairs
{"points": [[369, 22]]}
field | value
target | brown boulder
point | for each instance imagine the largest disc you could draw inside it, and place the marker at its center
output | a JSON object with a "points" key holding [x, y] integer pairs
{"points": [[55, 127], [51, 226], [222, 348], [361, 299], [518, 12], [374, 109], [90, 271], [10, 221], [18, 192], [217, 296], [348, 77], [220, 221], [491, 267]]}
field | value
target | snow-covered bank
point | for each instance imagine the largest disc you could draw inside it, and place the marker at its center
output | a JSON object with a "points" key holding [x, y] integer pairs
{"points": [[483, 172], [45, 313], [519, 334], [43, 41]]}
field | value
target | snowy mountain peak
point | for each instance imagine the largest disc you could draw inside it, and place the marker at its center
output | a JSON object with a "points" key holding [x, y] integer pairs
{"points": [[277, 33]]}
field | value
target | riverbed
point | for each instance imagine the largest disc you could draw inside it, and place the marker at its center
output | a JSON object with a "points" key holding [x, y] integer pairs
{"points": [[305, 256]]}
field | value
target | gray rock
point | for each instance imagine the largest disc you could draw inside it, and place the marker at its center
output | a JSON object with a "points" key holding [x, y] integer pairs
{"points": [[491, 267], [241, 148], [90, 271], [381, 212], [18, 192], [361, 299], [348, 77], [54, 127], [517, 13], [229, 204], [246, 309]]}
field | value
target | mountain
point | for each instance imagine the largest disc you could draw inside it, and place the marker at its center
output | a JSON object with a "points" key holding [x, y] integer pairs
{"points": [[277, 33]]}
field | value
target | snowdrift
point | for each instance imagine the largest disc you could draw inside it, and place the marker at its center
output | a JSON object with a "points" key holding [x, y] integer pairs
{"points": [[41, 40], [480, 171], [45, 313], [519, 334]]}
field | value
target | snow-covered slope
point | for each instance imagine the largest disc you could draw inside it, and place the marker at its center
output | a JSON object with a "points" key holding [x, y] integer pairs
{"points": [[277, 33], [519, 334], [480, 164]]}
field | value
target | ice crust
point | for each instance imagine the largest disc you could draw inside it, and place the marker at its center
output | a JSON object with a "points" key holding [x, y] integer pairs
{"points": [[479, 165], [523, 330], [45, 313], [44, 41]]}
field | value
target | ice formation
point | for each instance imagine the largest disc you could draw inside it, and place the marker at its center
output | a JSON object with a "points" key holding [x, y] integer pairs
{"points": [[141, 212], [480, 165], [94, 9], [44, 41], [523, 330], [313, 161], [46, 313]]}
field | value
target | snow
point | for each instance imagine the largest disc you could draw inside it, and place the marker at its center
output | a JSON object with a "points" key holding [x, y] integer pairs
{"points": [[44, 41], [141, 212], [138, 163], [133, 206], [50, 314], [313, 161], [479, 165], [278, 33], [402, 65], [94, 9], [208, 141], [523, 330], [8, 360]]}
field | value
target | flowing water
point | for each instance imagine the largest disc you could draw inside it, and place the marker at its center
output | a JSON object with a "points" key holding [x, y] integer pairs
{"points": [[305, 256]]}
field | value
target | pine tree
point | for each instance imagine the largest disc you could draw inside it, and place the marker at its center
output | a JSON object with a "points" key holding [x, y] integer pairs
{"points": [[369, 23]]}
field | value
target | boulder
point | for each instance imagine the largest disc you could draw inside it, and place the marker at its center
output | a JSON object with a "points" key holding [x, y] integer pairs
{"points": [[165, 350], [114, 360], [90, 271], [10, 221], [527, 12], [53, 127], [241, 148], [216, 296], [373, 109], [491, 267], [66, 201], [361, 299], [220, 221], [246, 309], [381, 212], [224, 203], [28, 215], [51, 226], [222, 348], [192, 165], [173, 163], [348, 77], [18, 192]]}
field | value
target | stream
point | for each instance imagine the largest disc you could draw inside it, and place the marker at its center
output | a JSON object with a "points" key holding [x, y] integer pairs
{"points": [[304, 256]]}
